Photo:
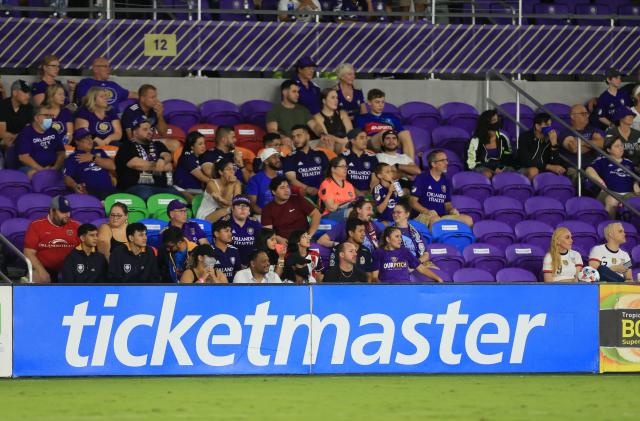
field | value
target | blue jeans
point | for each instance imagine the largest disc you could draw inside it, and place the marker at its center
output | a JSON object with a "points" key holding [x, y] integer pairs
{"points": [[145, 191]]}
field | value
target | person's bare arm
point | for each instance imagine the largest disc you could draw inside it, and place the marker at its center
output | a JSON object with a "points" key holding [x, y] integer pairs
{"points": [[6, 138], [37, 99], [415, 204], [140, 164], [29, 162], [133, 95], [291, 176], [348, 125], [407, 143], [40, 273], [409, 169], [104, 240], [315, 222], [161, 124], [60, 155], [423, 269]]}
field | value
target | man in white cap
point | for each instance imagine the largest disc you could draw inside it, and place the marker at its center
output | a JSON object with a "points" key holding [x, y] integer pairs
{"points": [[258, 186]]}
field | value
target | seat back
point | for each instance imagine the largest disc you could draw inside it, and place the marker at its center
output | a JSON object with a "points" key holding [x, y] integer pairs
{"points": [[472, 184], [446, 257], [472, 275], [208, 131], [525, 256], [450, 137], [7, 209], [537, 233], [586, 209], [157, 205], [484, 256], [154, 230], [455, 233], [512, 184], [255, 111], [14, 183], [85, 208], [545, 209], [49, 182], [220, 112], [460, 115], [505, 209], [496, 233], [420, 114], [468, 206], [555, 186], [584, 234], [249, 136], [512, 275], [14, 230], [136, 206], [33, 205]]}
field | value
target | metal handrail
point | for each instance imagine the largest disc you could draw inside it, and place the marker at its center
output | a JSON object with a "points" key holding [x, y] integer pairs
{"points": [[14, 249]]}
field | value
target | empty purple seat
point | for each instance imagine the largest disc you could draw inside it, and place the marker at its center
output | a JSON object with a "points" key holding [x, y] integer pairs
{"points": [[420, 114], [237, 5], [468, 206], [450, 137], [512, 275], [14, 230], [592, 9], [586, 209], [446, 257], [14, 183], [584, 234], [33, 205], [421, 138], [7, 209], [496, 233], [635, 257], [512, 184], [220, 112], [537, 233], [561, 110], [545, 209], [85, 208], [419, 278], [49, 182], [255, 111], [560, 10], [461, 115], [552, 185], [504, 208], [472, 184], [181, 113], [469, 275], [631, 234], [634, 202], [484, 256], [455, 163], [526, 256]]}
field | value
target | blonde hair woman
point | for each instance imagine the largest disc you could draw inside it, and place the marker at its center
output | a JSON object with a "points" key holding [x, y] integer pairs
{"points": [[561, 264], [54, 101], [99, 118], [350, 99], [48, 71]]}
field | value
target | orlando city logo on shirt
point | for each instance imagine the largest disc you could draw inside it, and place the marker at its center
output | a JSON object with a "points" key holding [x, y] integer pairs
{"points": [[127, 267], [80, 268], [103, 127]]}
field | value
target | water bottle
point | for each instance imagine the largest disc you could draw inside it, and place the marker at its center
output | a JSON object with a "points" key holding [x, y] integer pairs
{"points": [[398, 187], [169, 179]]}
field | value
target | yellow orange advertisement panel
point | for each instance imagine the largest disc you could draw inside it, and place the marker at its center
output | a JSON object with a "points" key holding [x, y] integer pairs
{"points": [[619, 328]]}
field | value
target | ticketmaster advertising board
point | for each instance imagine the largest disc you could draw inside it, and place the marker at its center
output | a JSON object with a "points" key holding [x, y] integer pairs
{"points": [[6, 335], [183, 330]]}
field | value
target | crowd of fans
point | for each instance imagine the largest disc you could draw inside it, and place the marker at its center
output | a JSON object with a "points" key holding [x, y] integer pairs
{"points": [[327, 154]]}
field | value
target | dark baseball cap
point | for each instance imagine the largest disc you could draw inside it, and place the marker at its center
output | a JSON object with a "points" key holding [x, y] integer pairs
{"points": [[175, 205], [203, 250], [61, 204], [612, 72], [21, 85], [622, 112], [305, 61], [81, 133], [240, 200], [387, 133], [353, 133]]}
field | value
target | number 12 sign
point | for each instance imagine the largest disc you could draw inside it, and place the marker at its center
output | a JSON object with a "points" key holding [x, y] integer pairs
{"points": [[160, 45]]}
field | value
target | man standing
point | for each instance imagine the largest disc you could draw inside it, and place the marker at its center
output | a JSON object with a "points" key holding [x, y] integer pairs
{"points": [[258, 186], [610, 100], [258, 271], [309, 91], [177, 213], [360, 162], [135, 263], [49, 240], [613, 263], [84, 264], [346, 270], [288, 113], [226, 149], [227, 256], [305, 167], [243, 229], [149, 107], [538, 149], [101, 70], [15, 113]]}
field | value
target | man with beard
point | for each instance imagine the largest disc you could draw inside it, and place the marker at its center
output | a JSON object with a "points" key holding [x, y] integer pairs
{"points": [[403, 164], [243, 229], [305, 167], [226, 148], [258, 271], [49, 240], [363, 259], [283, 116], [258, 186], [346, 269]]}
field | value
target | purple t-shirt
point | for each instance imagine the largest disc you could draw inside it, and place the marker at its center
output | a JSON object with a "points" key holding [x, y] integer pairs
{"points": [[60, 124], [614, 177], [192, 231], [115, 95], [101, 128], [310, 97], [379, 194], [42, 147], [432, 194], [351, 107], [310, 168], [89, 173], [41, 86], [394, 265]]}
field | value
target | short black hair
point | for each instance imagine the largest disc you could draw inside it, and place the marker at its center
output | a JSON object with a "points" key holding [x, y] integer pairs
{"points": [[221, 224], [222, 131], [85, 228], [380, 167], [375, 93], [255, 253], [431, 158], [172, 235], [287, 84], [270, 137], [135, 227], [300, 127], [352, 224], [276, 181], [541, 118]]}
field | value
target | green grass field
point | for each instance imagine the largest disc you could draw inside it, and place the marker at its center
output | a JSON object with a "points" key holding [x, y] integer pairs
{"points": [[478, 397]]}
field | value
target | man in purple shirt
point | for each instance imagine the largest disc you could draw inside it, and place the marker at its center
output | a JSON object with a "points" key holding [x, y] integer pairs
{"points": [[244, 230], [86, 170], [39, 146], [305, 167], [569, 143], [309, 91], [101, 70], [227, 256], [177, 212], [609, 101], [361, 163]]}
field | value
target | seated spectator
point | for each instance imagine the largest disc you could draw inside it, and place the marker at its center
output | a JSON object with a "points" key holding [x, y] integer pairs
{"points": [[630, 137], [15, 113], [403, 163], [84, 264], [336, 193], [489, 150], [561, 264], [431, 193], [268, 242], [190, 174], [150, 108], [376, 123], [172, 256], [360, 162], [86, 170], [412, 240], [226, 255], [636, 107], [299, 243], [297, 270], [346, 269], [613, 263], [538, 148], [220, 190], [362, 210], [258, 186], [309, 91], [39, 147], [177, 213], [609, 101], [48, 71], [100, 72], [244, 230], [610, 176], [201, 268], [135, 263], [273, 140], [350, 99], [49, 240], [356, 234], [334, 124], [298, 6], [305, 167], [287, 213], [288, 113], [144, 166], [62, 115], [258, 271], [387, 192], [569, 143], [99, 117], [113, 234], [226, 149], [393, 263]]}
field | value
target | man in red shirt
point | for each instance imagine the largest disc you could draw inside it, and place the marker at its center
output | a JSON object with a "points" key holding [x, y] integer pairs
{"points": [[49, 240], [287, 213]]}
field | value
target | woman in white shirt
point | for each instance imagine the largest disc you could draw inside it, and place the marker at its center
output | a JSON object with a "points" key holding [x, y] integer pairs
{"points": [[561, 264]]}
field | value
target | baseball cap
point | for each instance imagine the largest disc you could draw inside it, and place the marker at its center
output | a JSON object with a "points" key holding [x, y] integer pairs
{"points": [[21, 85], [203, 250], [138, 121], [305, 61], [387, 133], [612, 72], [240, 200], [81, 133], [267, 153], [60, 203], [175, 205], [622, 112], [353, 133]]}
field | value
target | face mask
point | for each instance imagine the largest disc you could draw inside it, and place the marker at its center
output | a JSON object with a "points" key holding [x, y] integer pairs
{"points": [[303, 272], [46, 123], [496, 126], [209, 262], [546, 130]]}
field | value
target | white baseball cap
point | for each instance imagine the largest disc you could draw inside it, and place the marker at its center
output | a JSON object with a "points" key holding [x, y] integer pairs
{"points": [[266, 153]]}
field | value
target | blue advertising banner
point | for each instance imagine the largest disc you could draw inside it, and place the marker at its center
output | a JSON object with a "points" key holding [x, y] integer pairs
{"points": [[185, 330]]}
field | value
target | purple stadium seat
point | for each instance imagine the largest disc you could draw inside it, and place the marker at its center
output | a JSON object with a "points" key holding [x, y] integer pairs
{"points": [[504, 208], [526, 117], [635, 257], [255, 111], [545, 209], [484, 256], [7, 209], [631, 234], [391, 109], [468, 275], [446, 257], [468, 206], [512, 184], [629, 10], [472, 184], [593, 9], [49, 182], [496, 233], [236, 5], [526, 256], [181, 113], [459, 114], [33, 205], [537, 233], [421, 138], [85, 208], [561, 110], [420, 114], [220, 112], [586, 209], [419, 278], [635, 203], [552, 185], [512, 275], [14, 183], [14, 230], [560, 10], [99, 221], [154, 228], [455, 163], [582, 251], [584, 234], [450, 137], [123, 105]]}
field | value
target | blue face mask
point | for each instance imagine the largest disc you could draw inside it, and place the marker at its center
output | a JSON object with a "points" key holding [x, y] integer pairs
{"points": [[46, 123], [546, 130]]}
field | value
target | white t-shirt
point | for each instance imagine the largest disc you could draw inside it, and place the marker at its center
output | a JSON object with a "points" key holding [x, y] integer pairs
{"points": [[244, 276], [393, 159], [571, 262], [606, 257]]}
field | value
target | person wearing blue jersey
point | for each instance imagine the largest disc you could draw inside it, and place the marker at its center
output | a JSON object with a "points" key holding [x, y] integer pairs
{"points": [[305, 167], [603, 114], [39, 146], [258, 187], [227, 256], [100, 71], [360, 162], [244, 230], [86, 170]]}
